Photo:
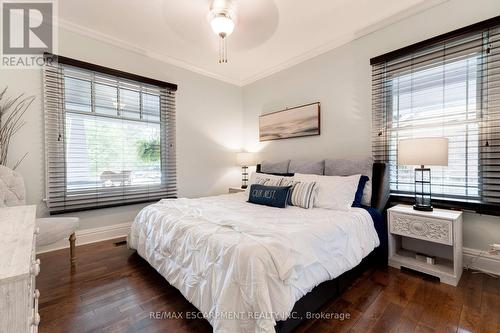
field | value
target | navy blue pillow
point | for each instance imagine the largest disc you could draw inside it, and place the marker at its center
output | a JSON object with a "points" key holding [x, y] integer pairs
{"points": [[273, 196], [359, 192]]}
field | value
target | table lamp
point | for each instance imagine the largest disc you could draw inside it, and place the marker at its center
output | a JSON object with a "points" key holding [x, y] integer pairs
{"points": [[245, 160], [423, 151]]}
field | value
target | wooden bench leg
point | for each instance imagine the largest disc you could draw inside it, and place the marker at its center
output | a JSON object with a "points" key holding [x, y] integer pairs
{"points": [[72, 239]]}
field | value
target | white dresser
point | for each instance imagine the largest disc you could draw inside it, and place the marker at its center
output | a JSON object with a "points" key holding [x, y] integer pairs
{"points": [[18, 269]]}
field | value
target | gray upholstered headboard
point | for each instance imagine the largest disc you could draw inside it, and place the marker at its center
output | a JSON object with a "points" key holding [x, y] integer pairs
{"points": [[379, 173]]}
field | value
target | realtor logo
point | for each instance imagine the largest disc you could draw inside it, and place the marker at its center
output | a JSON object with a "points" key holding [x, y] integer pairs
{"points": [[27, 32], [27, 27]]}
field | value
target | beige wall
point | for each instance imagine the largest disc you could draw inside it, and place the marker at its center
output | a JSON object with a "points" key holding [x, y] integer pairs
{"points": [[341, 81], [209, 123]]}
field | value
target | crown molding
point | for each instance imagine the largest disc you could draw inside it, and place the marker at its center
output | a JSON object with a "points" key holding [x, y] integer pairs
{"points": [[91, 33], [70, 26], [338, 42]]}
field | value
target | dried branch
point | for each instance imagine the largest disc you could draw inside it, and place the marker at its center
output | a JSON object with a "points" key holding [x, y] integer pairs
{"points": [[19, 161], [12, 110]]}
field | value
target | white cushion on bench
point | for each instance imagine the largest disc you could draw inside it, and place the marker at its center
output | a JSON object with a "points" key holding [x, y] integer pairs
{"points": [[53, 229]]}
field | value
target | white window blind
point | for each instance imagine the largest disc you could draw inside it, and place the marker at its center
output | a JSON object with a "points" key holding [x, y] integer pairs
{"points": [[109, 140], [448, 87]]}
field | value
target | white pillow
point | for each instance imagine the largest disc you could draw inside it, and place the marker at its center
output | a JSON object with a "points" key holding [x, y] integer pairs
{"points": [[264, 179], [334, 192]]}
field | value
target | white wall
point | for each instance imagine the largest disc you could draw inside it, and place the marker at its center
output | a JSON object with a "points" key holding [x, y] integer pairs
{"points": [[210, 120], [341, 81], [209, 124]]}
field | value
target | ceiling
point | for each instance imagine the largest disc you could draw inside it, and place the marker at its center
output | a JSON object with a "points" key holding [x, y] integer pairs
{"points": [[270, 35]]}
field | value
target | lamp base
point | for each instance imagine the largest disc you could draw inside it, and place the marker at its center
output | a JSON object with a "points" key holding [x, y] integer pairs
{"points": [[423, 189], [244, 177], [423, 208]]}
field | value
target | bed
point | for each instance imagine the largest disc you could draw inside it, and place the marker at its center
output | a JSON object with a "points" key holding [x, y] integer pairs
{"points": [[252, 268]]}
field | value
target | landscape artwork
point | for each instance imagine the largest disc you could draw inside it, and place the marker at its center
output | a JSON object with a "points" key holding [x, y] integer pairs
{"points": [[290, 123]]}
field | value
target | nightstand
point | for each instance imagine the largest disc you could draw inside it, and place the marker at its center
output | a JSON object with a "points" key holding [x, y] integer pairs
{"points": [[415, 235], [236, 189]]}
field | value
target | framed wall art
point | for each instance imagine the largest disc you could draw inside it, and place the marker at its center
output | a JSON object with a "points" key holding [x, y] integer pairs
{"points": [[293, 122]]}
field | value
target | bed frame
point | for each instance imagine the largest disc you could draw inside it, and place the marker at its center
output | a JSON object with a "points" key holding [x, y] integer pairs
{"points": [[324, 292]]}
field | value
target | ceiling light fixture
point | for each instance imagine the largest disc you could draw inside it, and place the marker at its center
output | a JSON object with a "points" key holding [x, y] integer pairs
{"points": [[222, 23]]}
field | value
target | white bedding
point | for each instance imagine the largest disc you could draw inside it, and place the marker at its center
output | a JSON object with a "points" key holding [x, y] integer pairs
{"points": [[232, 259]]}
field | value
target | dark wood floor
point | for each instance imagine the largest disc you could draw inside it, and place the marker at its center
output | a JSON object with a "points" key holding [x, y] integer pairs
{"points": [[112, 289]]}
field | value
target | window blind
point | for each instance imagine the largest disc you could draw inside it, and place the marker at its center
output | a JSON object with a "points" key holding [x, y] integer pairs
{"points": [[109, 140], [449, 87]]}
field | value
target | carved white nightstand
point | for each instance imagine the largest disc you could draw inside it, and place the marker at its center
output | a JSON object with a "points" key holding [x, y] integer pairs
{"points": [[436, 234], [236, 189]]}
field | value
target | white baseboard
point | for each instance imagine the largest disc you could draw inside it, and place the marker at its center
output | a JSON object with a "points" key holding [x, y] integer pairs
{"points": [[87, 236], [481, 260]]}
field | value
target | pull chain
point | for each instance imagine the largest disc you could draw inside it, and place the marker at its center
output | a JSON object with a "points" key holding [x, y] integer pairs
{"points": [[222, 49]]}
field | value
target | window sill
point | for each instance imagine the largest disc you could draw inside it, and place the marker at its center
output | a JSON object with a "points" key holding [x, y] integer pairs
{"points": [[453, 204], [104, 206]]}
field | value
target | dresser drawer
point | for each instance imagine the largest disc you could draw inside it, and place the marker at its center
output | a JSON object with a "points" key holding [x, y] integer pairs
{"points": [[429, 229], [18, 298]]}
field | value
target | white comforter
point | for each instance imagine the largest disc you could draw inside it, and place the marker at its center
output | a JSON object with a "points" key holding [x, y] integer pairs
{"points": [[244, 265]]}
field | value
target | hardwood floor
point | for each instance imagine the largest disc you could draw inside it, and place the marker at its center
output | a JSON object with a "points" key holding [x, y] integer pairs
{"points": [[112, 289]]}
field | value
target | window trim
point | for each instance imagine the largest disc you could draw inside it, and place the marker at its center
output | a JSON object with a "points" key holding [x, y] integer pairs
{"points": [[468, 204], [434, 40], [59, 198], [109, 71]]}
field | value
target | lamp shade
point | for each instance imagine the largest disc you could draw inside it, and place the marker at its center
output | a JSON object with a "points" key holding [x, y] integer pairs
{"points": [[246, 159], [423, 151]]}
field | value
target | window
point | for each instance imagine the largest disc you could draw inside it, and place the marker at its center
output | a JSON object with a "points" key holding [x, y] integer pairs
{"points": [[109, 140], [445, 87]]}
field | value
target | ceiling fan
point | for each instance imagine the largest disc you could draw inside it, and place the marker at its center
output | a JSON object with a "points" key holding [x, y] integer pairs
{"points": [[222, 18], [207, 24]]}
